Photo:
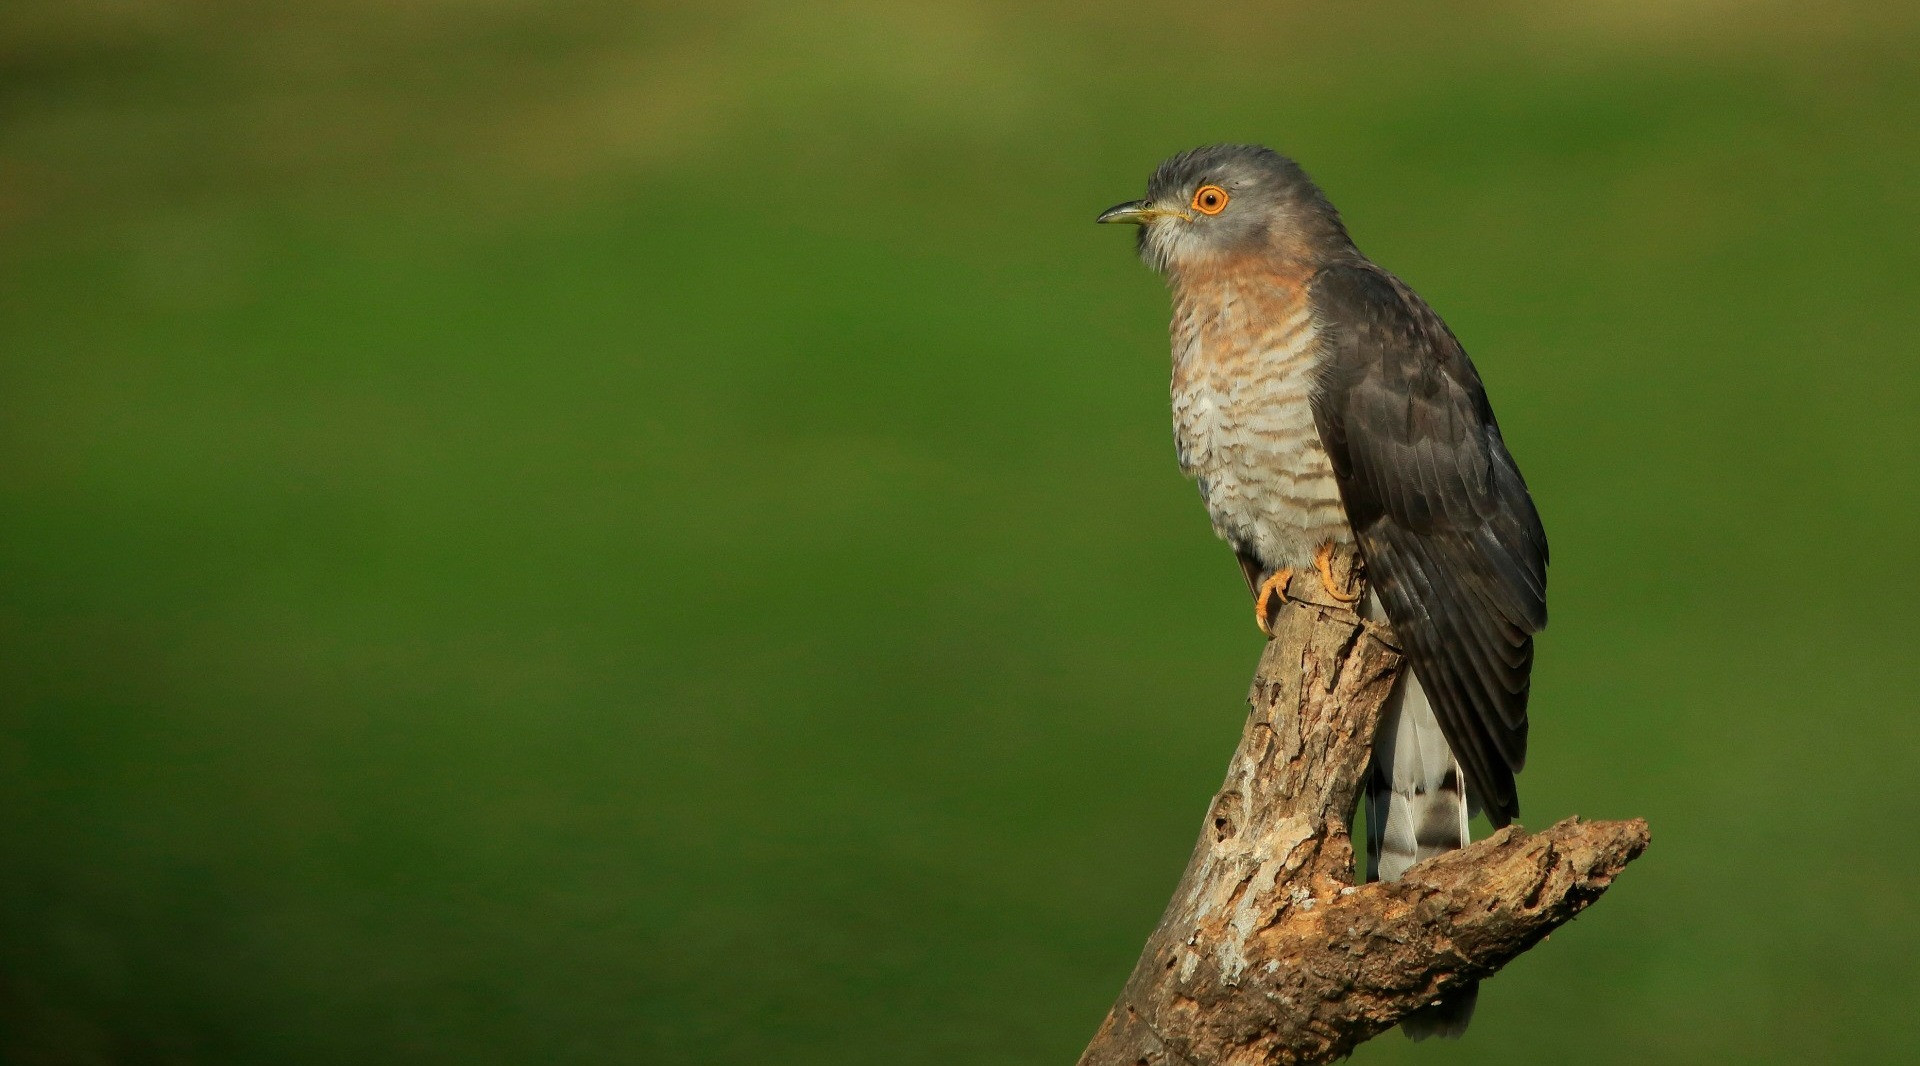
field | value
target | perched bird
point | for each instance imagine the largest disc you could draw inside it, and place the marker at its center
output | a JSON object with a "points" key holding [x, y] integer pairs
{"points": [[1319, 402]]}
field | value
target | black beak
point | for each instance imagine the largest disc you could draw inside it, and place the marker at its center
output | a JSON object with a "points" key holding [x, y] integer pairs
{"points": [[1138, 212]]}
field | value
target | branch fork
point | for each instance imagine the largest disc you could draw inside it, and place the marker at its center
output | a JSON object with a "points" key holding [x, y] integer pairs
{"points": [[1269, 953]]}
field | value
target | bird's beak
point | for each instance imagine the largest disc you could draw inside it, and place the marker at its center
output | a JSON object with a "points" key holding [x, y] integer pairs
{"points": [[1138, 212]]}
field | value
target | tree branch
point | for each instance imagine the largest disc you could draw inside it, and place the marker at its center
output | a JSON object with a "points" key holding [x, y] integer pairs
{"points": [[1269, 953]]}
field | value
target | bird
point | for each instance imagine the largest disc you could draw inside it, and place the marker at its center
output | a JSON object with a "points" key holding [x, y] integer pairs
{"points": [[1320, 404]]}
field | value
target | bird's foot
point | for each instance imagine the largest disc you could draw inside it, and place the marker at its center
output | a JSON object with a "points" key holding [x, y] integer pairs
{"points": [[1323, 562], [1273, 590]]}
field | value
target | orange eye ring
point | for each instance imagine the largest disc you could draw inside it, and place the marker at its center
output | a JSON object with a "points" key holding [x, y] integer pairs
{"points": [[1210, 199]]}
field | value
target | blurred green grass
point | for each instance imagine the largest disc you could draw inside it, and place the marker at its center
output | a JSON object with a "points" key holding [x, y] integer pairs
{"points": [[593, 533]]}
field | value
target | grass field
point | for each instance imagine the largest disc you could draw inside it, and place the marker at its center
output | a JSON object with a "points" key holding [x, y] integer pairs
{"points": [[577, 533]]}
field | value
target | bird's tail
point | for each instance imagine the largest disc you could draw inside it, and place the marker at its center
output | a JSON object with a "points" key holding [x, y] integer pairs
{"points": [[1417, 807]]}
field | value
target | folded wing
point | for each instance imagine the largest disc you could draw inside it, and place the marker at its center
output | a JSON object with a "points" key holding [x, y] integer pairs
{"points": [[1453, 546]]}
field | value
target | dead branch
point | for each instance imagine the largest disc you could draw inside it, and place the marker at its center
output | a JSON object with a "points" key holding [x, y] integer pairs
{"points": [[1269, 953]]}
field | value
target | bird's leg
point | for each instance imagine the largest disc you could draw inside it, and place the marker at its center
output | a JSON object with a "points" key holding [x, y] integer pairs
{"points": [[1323, 562], [1273, 588]]}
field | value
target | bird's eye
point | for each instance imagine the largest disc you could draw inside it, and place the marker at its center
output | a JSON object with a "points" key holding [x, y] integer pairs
{"points": [[1209, 199]]}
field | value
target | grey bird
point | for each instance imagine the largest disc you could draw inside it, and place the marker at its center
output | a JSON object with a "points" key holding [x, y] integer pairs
{"points": [[1319, 402]]}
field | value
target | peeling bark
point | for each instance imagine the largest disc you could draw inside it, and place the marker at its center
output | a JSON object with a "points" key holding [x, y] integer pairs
{"points": [[1269, 953]]}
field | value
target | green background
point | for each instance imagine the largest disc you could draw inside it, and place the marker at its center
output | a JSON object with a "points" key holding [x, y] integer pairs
{"points": [[582, 532]]}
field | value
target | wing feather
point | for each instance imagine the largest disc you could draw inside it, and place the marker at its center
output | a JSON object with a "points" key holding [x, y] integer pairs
{"points": [[1453, 546]]}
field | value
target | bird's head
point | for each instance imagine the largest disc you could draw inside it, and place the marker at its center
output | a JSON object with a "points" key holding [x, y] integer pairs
{"points": [[1229, 199]]}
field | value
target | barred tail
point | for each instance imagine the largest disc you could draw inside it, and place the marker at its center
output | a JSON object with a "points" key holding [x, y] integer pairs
{"points": [[1417, 807]]}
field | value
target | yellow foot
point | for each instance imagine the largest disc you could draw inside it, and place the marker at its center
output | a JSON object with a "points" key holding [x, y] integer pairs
{"points": [[1274, 588], [1323, 562]]}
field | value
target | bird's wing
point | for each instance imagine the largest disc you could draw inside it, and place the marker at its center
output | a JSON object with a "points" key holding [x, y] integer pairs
{"points": [[1453, 546]]}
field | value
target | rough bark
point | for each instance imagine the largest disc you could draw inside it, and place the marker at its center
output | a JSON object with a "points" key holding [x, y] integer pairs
{"points": [[1268, 952]]}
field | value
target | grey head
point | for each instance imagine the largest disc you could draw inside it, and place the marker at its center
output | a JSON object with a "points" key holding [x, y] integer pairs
{"points": [[1227, 199]]}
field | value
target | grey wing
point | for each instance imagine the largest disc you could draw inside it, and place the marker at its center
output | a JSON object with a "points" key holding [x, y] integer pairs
{"points": [[1453, 546]]}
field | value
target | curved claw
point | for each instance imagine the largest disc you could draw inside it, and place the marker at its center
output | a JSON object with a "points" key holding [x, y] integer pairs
{"points": [[1273, 588], [1323, 562]]}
